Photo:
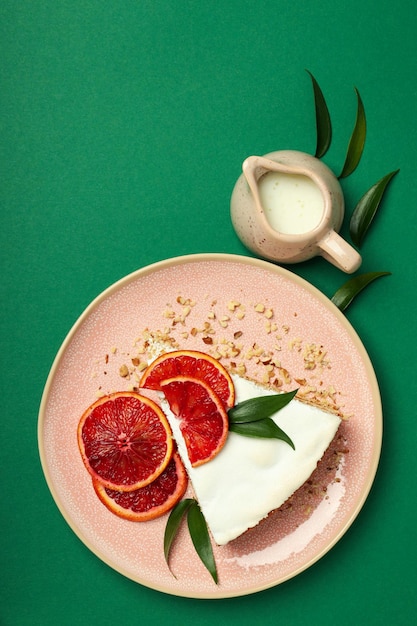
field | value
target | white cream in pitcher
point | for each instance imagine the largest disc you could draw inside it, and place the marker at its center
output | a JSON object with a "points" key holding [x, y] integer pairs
{"points": [[293, 203]]}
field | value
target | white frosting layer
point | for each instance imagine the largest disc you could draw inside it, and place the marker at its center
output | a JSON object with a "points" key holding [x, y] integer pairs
{"points": [[251, 477]]}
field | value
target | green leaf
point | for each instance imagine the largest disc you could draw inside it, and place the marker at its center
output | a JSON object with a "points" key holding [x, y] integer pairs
{"points": [[323, 122], [366, 208], [173, 524], [347, 292], [357, 140], [200, 537], [259, 408], [251, 418], [198, 532], [264, 428]]}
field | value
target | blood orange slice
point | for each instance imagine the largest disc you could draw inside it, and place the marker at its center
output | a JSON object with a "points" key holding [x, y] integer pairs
{"points": [[203, 418], [193, 364], [151, 501], [125, 440]]}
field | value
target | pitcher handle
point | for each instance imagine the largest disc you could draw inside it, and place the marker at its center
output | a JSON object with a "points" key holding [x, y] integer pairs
{"points": [[339, 252]]}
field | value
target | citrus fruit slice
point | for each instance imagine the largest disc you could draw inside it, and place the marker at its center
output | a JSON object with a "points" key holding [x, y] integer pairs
{"points": [[203, 418], [194, 364], [125, 440], [151, 501]]}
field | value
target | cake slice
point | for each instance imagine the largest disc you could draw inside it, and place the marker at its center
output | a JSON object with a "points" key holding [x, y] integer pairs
{"points": [[251, 477]]}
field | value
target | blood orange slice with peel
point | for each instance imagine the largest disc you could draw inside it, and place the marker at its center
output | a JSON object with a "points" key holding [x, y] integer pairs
{"points": [[125, 440], [151, 501], [194, 364], [203, 418]]}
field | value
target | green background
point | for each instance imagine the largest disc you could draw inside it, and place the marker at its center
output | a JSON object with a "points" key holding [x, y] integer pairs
{"points": [[123, 129]]}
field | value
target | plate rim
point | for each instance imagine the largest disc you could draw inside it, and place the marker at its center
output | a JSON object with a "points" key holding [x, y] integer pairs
{"points": [[253, 262]]}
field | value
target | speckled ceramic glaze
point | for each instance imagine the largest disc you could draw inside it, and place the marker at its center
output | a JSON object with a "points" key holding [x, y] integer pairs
{"points": [[254, 230], [296, 317]]}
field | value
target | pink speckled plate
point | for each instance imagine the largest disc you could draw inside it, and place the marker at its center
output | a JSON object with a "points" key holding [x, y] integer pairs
{"points": [[189, 296]]}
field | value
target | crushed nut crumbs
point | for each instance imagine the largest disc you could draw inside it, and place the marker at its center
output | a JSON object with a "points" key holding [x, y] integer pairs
{"points": [[183, 323]]}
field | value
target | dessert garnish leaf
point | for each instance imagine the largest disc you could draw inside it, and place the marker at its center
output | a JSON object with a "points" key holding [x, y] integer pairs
{"points": [[323, 122], [357, 140], [197, 527], [264, 428], [252, 418], [201, 539], [260, 407], [366, 208], [347, 292], [173, 524]]}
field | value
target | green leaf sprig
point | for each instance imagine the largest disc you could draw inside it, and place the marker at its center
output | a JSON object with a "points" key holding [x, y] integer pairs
{"points": [[324, 130], [366, 209], [199, 534], [252, 418], [349, 290]]}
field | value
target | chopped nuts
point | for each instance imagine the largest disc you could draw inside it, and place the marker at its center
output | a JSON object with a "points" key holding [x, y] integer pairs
{"points": [[123, 371], [314, 356], [184, 325]]}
